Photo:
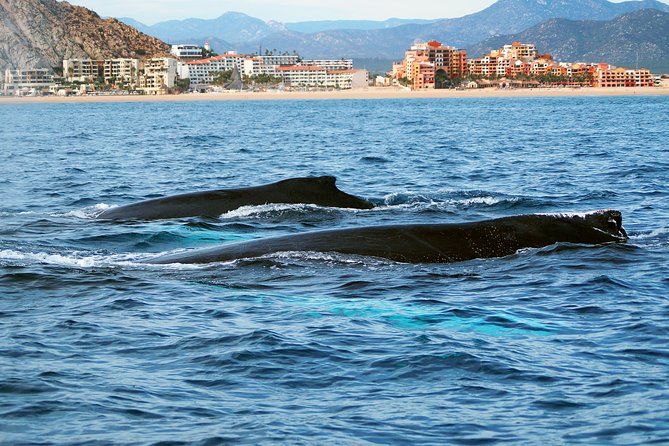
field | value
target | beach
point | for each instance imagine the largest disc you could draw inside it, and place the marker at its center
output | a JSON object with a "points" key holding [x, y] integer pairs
{"points": [[367, 93]]}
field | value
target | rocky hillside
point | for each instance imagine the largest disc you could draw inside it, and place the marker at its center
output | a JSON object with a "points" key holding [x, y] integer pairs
{"points": [[41, 33], [617, 41]]}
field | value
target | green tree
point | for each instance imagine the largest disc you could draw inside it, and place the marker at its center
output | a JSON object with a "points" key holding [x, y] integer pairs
{"points": [[441, 79], [222, 77], [207, 53], [182, 85]]}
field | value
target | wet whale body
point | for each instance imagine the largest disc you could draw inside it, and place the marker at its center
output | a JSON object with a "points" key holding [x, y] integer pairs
{"points": [[440, 243], [321, 191]]}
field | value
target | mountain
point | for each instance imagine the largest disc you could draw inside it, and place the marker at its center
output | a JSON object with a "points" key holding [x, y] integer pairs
{"points": [[390, 42], [503, 17], [41, 33], [329, 25], [616, 41], [230, 27], [512, 16]]}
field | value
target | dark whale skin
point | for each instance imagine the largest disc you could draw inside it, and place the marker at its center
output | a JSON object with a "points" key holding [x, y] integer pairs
{"points": [[429, 243], [321, 191]]}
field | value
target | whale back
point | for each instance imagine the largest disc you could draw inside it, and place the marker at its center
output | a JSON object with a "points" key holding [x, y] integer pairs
{"points": [[321, 191], [439, 243]]}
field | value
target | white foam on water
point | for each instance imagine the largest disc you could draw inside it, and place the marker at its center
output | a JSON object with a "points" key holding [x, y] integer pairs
{"points": [[487, 200], [74, 259], [88, 212], [332, 257], [423, 200], [655, 233], [257, 210], [12, 214]]}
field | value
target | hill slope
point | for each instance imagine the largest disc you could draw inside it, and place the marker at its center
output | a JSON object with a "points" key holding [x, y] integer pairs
{"points": [[616, 41], [41, 33]]}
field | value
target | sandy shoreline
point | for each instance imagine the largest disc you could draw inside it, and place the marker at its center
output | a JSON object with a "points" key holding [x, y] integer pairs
{"points": [[368, 93]]}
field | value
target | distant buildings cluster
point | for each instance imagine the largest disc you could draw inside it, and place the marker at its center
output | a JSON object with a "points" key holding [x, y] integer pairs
{"points": [[426, 65], [80, 76], [162, 75], [433, 65], [294, 71]]}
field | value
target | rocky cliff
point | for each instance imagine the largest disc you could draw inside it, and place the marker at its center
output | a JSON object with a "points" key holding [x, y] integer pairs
{"points": [[41, 33]]}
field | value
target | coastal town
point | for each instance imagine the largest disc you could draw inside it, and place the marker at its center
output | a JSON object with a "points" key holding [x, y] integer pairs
{"points": [[426, 66]]}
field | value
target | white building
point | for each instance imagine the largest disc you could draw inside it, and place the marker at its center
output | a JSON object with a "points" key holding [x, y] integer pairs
{"points": [[382, 81], [18, 81], [122, 70], [186, 51], [330, 64], [288, 59], [348, 79], [160, 74], [83, 70], [519, 51], [88, 70], [327, 73], [301, 76], [203, 72]]}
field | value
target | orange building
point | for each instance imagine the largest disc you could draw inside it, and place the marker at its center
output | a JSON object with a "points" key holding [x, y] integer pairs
{"points": [[424, 60], [423, 76], [622, 77]]}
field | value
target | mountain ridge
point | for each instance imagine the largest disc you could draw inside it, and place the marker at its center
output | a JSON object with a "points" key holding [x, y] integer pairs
{"points": [[501, 18]]}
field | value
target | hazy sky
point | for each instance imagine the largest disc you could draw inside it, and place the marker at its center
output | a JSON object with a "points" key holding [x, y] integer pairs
{"points": [[151, 11]]}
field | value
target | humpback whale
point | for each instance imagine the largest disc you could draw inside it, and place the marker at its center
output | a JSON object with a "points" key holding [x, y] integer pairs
{"points": [[429, 243], [322, 191]]}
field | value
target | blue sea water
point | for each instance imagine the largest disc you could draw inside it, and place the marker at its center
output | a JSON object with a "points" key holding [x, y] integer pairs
{"points": [[561, 345]]}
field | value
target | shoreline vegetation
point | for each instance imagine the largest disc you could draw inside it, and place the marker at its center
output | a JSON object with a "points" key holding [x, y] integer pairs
{"points": [[366, 93]]}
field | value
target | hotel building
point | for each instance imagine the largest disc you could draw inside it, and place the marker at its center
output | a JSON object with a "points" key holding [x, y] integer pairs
{"points": [[424, 61], [160, 74], [621, 77], [326, 73], [520, 59], [519, 51], [329, 64], [16, 81], [83, 70], [204, 71], [301, 76], [186, 51], [89, 70]]}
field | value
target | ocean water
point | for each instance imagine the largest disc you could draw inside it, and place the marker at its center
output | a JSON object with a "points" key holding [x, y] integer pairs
{"points": [[561, 345]]}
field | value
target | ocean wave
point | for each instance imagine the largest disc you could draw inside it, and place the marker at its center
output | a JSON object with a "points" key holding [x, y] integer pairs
{"points": [[12, 214], [409, 199], [76, 259], [659, 234]]}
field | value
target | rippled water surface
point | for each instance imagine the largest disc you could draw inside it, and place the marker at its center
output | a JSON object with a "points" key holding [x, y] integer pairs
{"points": [[561, 345]]}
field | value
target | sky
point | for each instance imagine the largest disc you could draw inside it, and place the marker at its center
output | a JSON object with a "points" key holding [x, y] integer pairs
{"points": [[152, 11]]}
